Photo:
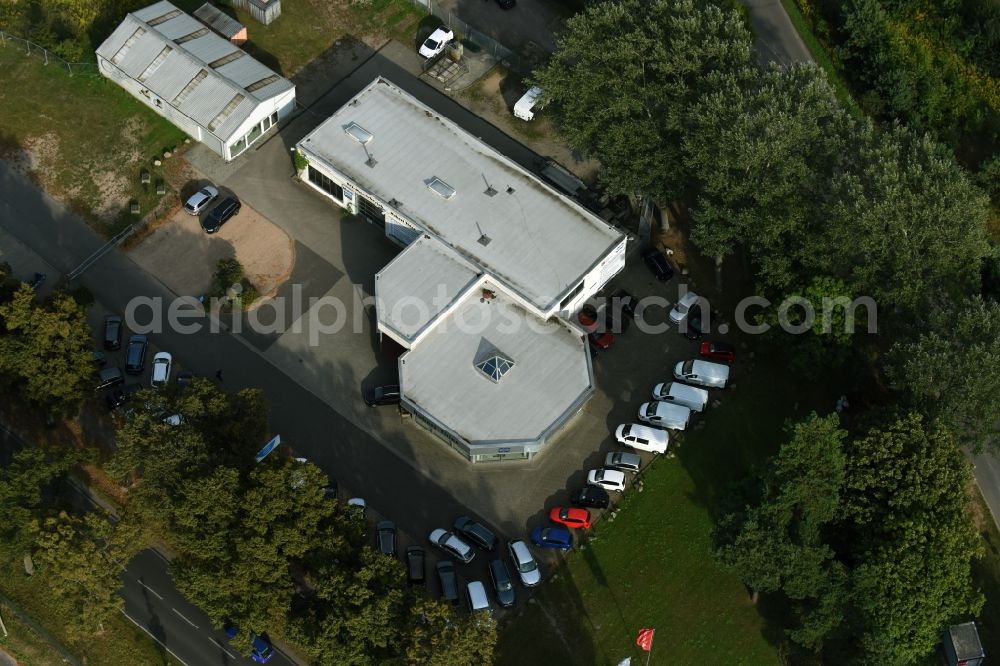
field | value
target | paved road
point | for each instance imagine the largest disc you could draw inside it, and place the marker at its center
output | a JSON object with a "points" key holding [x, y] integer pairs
{"points": [[156, 607], [775, 38]]}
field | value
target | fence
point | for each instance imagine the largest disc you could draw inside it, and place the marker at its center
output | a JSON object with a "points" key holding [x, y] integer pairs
{"points": [[30, 48], [510, 59]]}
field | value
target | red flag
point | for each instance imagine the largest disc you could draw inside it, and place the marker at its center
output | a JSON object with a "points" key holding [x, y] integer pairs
{"points": [[645, 639]]}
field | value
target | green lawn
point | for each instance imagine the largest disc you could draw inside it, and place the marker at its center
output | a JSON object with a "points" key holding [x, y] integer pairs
{"points": [[27, 646], [653, 566], [89, 138]]}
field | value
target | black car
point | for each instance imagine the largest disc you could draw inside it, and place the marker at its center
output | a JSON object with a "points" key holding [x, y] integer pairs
{"points": [[113, 332], [415, 565], [691, 327], [386, 535], [99, 359], [449, 581], [590, 497], [184, 377], [658, 264], [382, 395], [502, 585], [109, 377], [475, 532], [624, 302], [119, 397], [507, 4], [135, 354], [330, 489], [220, 214]]}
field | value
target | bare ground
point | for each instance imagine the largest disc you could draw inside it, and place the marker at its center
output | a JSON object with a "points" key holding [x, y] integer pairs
{"points": [[183, 257]]}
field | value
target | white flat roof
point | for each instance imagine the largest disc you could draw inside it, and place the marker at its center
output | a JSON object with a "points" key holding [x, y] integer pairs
{"points": [[550, 372], [189, 67], [419, 284], [539, 243]]}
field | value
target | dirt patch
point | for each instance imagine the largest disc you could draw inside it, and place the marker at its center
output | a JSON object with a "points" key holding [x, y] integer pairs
{"points": [[494, 96], [183, 257]]}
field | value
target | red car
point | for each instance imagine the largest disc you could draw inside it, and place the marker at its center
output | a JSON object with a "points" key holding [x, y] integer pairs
{"points": [[588, 319], [718, 351], [570, 517]]}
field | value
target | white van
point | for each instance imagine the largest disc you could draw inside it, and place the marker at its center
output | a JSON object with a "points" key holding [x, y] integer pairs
{"points": [[476, 594], [702, 373], [643, 438], [693, 398], [665, 415], [524, 107]]}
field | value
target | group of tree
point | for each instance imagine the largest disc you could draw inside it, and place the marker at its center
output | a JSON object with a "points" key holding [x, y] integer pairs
{"points": [[865, 533], [264, 548], [45, 348], [867, 537]]}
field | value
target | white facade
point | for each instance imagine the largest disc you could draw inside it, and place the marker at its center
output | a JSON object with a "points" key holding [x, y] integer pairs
{"points": [[200, 82]]}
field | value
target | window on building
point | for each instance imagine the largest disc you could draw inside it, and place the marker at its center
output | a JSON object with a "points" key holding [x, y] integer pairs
{"points": [[238, 147], [570, 296], [163, 18], [321, 181], [226, 110], [123, 51], [191, 85], [192, 35], [157, 61], [226, 59], [494, 365], [266, 81], [371, 210]]}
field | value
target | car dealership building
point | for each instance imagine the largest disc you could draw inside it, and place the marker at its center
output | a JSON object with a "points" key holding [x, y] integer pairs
{"points": [[495, 264]]}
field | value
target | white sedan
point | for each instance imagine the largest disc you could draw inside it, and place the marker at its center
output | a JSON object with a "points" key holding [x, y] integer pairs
{"points": [[609, 479], [683, 307], [199, 200], [162, 363], [436, 42]]}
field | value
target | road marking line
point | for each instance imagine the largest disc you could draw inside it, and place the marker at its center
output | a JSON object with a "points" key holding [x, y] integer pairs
{"points": [[184, 618], [150, 589], [221, 647], [172, 653]]}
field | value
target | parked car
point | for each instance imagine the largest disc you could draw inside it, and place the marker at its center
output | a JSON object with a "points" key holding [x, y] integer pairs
{"points": [[220, 214], [99, 359], [162, 363], [448, 579], [623, 460], [113, 328], [382, 395], [658, 263], [608, 479], [386, 535], [691, 397], [135, 354], [475, 593], [109, 378], [702, 373], [503, 587], [118, 397], [184, 377], [570, 516], [452, 545], [475, 532], [358, 506], [642, 437], [600, 337], [438, 39], [718, 351], [415, 557], [665, 415], [624, 301], [524, 563], [173, 419], [331, 489], [591, 497], [558, 538], [507, 4], [680, 311], [36, 281], [692, 327], [199, 200], [261, 649]]}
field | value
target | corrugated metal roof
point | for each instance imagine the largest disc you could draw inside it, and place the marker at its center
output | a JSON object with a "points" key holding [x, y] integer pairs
{"points": [[418, 285], [550, 372], [222, 23], [215, 91], [540, 243]]}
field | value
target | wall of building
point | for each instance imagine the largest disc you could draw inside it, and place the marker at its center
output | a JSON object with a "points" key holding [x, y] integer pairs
{"points": [[270, 113], [161, 107]]}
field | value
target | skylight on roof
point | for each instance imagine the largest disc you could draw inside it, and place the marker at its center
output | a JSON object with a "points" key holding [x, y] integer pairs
{"points": [[443, 189], [495, 366], [359, 133]]}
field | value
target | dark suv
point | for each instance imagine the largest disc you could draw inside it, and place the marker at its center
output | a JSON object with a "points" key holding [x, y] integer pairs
{"points": [[113, 332], [382, 395], [475, 533], [386, 530], [415, 565], [135, 354], [220, 214]]}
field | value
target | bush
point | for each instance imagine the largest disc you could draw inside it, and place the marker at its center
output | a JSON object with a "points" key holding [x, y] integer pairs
{"points": [[300, 161], [248, 295], [228, 272]]}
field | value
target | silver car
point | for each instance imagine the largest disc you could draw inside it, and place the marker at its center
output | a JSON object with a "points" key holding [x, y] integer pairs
{"points": [[524, 564], [199, 200], [452, 545]]}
